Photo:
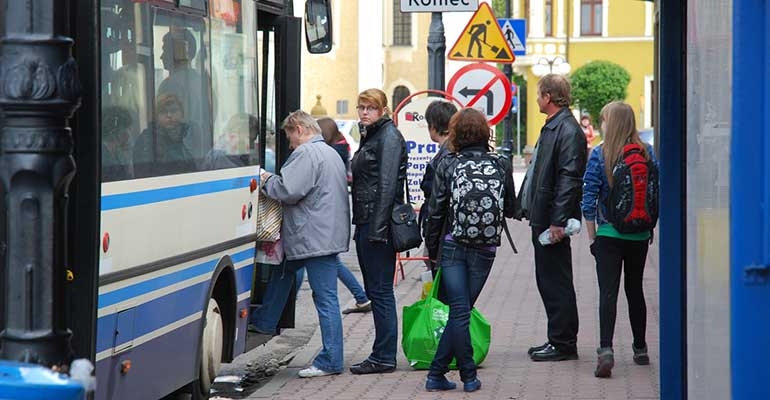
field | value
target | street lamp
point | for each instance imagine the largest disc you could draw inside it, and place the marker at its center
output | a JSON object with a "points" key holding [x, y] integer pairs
{"points": [[551, 65]]}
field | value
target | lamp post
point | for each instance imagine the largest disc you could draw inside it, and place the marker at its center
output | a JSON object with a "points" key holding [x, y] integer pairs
{"points": [[507, 145], [551, 65]]}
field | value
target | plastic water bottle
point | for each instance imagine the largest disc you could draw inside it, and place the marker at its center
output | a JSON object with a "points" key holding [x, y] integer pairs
{"points": [[572, 228], [426, 277]]}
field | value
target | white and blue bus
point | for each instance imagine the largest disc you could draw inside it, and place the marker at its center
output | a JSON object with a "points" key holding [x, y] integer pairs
{"points": [[180, 106]]}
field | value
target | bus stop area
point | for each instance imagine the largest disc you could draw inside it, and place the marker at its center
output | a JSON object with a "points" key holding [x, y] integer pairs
{"points": [[512, 304]]}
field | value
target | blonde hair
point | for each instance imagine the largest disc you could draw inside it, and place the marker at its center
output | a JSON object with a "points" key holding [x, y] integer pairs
{"points": [[375, 97], [619, 130], [301, 118]]}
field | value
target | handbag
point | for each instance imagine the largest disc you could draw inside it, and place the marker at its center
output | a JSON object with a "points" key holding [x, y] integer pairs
{"points": [[404, 229], [270, 253], [423, 324], [269, 217]]}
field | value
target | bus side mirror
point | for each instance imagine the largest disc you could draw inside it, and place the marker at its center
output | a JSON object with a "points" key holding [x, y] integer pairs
{"points": [[318, 26]]}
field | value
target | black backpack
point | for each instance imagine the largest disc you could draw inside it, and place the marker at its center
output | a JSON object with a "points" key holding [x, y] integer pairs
{"points": [[632, 204], [478, 187]]}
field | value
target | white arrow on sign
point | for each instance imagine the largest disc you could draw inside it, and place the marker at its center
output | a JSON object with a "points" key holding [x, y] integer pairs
{"points": [[483, 87]]}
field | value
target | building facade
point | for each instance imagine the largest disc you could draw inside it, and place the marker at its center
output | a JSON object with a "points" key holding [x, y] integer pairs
{"points": [[575, 32], [375, 46]]}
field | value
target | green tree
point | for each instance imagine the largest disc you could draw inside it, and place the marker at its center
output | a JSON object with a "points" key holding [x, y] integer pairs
{"points": [[498, 7], [596, 84]]}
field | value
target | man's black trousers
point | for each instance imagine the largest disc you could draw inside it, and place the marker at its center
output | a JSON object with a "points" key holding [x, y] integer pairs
{"points": [[553, 273]]}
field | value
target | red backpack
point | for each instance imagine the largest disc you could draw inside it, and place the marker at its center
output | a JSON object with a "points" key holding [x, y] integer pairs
{"points": [[632, 204]]}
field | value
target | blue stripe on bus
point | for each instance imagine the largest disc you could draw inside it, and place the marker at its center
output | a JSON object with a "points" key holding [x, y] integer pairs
{"points": [[160, 312], [160, 282], [123, 200]]}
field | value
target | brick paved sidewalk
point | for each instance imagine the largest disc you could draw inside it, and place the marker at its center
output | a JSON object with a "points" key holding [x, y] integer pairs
{"points": [[511, 303]]}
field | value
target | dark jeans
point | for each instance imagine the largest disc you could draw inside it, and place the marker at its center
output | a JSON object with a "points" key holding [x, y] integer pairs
{"points": [[378, 265], [553, 273], [613, 256], [464, 270]]}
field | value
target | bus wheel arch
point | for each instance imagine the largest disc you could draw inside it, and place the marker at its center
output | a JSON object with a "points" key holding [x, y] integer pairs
{"points": [[217, 334]]}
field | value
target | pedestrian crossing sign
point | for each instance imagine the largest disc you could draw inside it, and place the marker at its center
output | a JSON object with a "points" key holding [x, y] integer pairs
{"points": [[514, 31], [482, 40]]}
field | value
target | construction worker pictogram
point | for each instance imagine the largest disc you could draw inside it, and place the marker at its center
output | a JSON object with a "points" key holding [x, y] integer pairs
{"points": [[482, 40]]}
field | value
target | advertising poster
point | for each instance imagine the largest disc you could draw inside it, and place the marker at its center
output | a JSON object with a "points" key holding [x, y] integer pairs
{"points": [[419, 147]]}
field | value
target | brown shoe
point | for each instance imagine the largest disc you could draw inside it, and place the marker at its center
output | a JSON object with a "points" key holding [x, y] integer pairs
{"points": [[605, 362], [359, 308]]}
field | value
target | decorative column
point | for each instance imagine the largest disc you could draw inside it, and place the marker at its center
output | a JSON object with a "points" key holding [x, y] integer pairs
{"points": [[39, 91]]}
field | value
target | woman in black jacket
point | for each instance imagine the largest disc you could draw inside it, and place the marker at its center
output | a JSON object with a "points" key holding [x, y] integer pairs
{"points": [[379, 173], [473, 192]]}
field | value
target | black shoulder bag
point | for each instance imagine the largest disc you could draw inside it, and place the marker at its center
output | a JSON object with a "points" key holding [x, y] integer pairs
{"points": [[404, 228]]}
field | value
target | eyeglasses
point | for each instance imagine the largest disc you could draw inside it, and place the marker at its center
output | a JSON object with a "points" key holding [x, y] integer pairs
{"points": [[367, 108]]}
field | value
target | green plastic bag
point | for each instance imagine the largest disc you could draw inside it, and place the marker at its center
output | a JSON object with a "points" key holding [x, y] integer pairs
{"points": [[423, 323]]}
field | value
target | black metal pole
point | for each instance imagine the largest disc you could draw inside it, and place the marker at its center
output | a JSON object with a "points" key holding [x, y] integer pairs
{"points": [[507, 148], [39, 91], [436, 50]]}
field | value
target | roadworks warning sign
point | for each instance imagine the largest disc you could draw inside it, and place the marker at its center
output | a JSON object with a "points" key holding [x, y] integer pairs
{"points": [[482, 40]]}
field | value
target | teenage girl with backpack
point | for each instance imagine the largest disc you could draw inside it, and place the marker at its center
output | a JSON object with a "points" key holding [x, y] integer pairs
{"points": [[614, 250]]}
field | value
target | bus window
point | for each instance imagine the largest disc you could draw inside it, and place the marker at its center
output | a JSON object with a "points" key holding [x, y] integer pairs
{"points": [[125, 70], [181, 51], [234, 85]]}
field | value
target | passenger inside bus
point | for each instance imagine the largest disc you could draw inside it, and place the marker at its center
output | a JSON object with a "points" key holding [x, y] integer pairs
{"points": [[117, 127], [163, 148], [179, 50], [231, 148]]}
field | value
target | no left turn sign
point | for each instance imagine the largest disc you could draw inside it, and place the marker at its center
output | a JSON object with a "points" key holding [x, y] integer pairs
{"points": [[484, 88]]}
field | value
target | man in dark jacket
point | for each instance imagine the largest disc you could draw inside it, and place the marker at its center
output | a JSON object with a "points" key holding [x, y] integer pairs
{"points": [[550, 196]]}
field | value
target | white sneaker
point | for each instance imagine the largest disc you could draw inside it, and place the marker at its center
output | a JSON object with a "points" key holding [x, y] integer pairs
{"points": [[313, 372]]}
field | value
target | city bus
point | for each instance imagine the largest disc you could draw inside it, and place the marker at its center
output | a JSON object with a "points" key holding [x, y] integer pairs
{"points": [[180, 106]]}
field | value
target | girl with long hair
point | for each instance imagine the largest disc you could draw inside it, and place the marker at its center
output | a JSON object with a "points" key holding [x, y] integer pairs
{"points": [[615, 251]]}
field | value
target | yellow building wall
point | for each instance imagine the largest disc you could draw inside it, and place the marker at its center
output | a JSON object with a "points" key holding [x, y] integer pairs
{"points": [[408, 65], [334, 76], [626, 18]]}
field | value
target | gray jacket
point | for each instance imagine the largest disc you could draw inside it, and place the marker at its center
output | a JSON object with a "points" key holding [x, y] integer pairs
{"points": [[313, 189]]}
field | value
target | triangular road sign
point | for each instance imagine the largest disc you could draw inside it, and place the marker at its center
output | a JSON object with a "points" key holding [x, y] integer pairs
{"points": [[482, 40]]}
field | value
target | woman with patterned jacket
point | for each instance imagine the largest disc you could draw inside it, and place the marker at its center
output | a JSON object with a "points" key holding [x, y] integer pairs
{"points": [[473, 191]]}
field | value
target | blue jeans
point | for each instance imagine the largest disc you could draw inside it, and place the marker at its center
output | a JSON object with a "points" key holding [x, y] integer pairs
{"points": [[464, 270], [378, 264], [322, 276], [347, 278]]}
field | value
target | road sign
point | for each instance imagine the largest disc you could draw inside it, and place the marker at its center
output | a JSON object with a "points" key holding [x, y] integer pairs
{"points": [[483, 87], [482, 40], [515, 33], [439, 5], [515, 104]]}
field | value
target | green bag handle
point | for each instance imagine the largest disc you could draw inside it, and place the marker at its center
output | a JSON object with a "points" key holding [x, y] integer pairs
{"points": [[434, 287]]}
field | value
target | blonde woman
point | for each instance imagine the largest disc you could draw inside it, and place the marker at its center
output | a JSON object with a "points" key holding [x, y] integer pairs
{"points": [[615, 251]]}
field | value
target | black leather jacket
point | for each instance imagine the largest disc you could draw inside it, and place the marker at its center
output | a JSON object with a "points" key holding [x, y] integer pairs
{"points": [[440, 215], [557, 179], [379, 171]]}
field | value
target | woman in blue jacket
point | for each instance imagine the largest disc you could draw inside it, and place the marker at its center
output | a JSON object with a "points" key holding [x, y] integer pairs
{"points": [[615, 251]]}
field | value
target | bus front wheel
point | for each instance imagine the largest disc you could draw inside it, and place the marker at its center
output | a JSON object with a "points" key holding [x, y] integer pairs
{"points": [[211, 351]]}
